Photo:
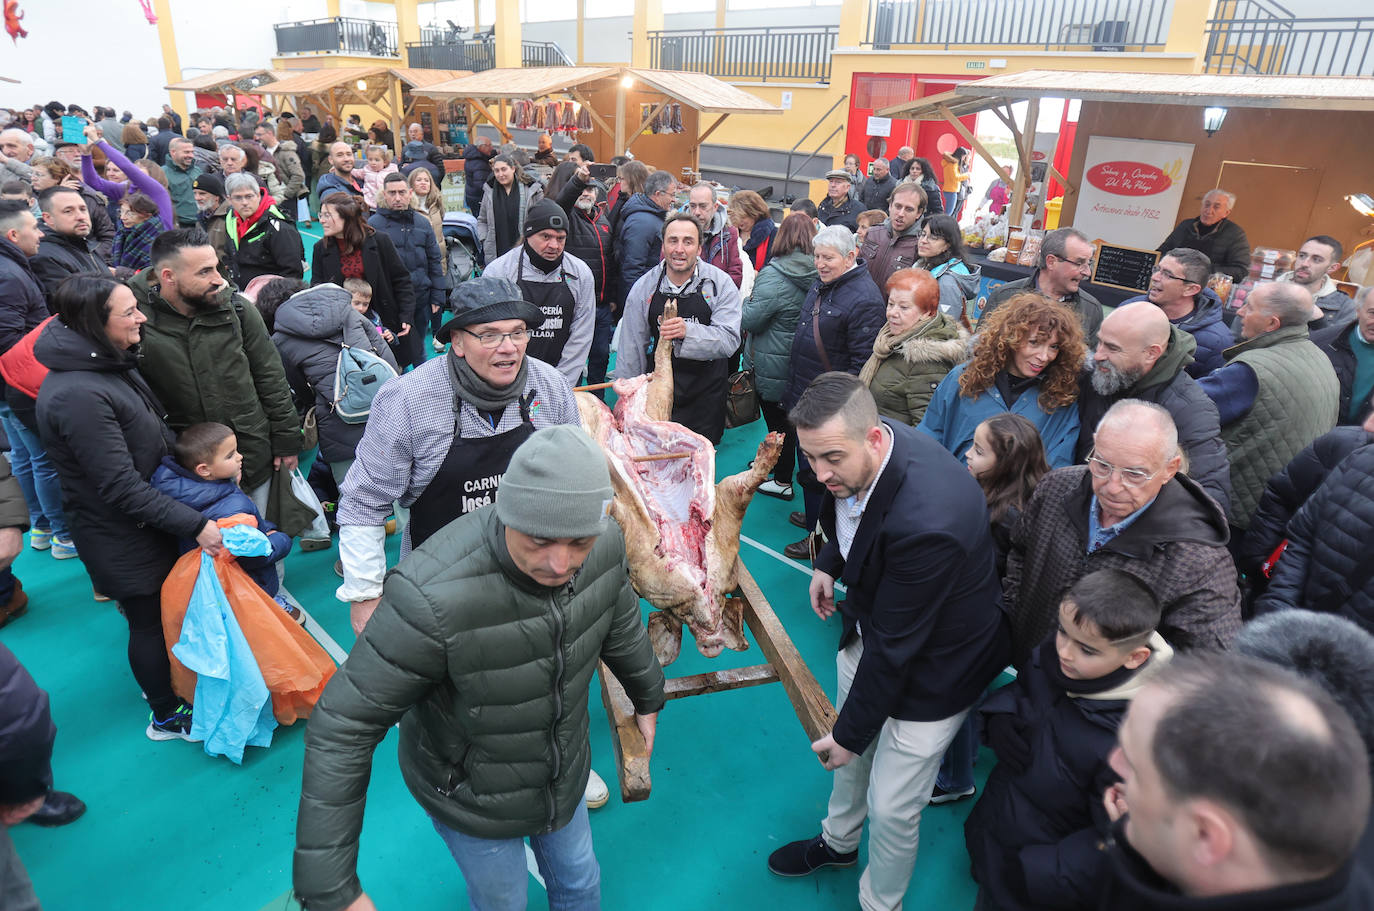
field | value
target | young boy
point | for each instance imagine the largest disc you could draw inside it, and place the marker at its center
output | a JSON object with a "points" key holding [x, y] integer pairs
{"points": [[361, 298], [1033, 836], [205, 476], [868, 219]]}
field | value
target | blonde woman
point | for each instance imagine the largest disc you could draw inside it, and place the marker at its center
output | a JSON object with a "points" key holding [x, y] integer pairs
{"points": [[426, 196]]}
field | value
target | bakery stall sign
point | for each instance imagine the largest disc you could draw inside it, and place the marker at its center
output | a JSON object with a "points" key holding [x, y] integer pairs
{"points": [[1124, 267], [1131, 189]]}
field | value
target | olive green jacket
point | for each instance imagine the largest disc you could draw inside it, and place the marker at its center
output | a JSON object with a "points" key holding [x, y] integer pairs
{"points": [[219, 365], [488, 673], [906, 379]]}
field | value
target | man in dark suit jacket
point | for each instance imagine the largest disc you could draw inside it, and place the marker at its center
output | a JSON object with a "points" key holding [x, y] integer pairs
{"points": [[924, 631]]}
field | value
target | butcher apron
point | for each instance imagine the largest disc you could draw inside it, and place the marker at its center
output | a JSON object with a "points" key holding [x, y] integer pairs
{"points": [[555, 299], [699, 387], [468, 478]]}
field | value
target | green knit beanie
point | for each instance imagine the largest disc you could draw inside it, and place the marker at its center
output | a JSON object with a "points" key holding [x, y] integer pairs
{"points": [[557, 485]]}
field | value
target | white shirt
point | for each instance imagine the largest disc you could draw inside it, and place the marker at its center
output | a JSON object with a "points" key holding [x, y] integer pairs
{"points": [[850, 511]]}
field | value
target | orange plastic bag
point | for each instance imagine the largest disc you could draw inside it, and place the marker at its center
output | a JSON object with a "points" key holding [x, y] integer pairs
{"points": [[294, 666]]}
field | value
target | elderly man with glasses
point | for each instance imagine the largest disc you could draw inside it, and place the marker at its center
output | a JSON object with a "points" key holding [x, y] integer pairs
{"points": [[1129, 508], [1066, 261]]}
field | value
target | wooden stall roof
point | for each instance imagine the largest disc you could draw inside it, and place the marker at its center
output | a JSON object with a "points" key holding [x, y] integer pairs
{"points": [[704, 93], [416, 78], [525, 82], [1330, 93], [313, 82], [929, 107], [220, 78]]}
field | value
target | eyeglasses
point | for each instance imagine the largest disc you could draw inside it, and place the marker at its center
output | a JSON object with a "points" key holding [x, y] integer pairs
{"points": [[1131, 477], [1082, 265], [494, 339], [1160, 270]]}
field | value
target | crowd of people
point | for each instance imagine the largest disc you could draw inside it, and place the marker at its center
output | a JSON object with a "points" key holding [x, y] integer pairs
{"points": [[1103, 501]]}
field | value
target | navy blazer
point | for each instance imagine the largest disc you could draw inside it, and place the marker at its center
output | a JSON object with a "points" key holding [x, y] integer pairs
{"points": [[923, 588]]}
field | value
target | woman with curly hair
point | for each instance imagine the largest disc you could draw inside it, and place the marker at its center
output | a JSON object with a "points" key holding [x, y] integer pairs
{"points": [[1026, 359]]}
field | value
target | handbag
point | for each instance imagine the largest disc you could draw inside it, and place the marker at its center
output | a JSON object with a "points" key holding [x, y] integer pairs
{"points": [[310, 431], [741, 398]]}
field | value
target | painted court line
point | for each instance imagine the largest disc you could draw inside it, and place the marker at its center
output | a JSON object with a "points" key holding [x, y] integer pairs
{"points": [[323, 638], [783, 560], [532, 864]]}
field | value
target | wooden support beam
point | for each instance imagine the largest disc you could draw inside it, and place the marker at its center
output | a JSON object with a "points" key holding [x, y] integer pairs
{"points": [[596, 118], [707, 132], [631, 753], [716, 681], [973, 142], [639, 131], [1027, 144], [1054, 172], [487, 115], [814, 709], [619, 148]]}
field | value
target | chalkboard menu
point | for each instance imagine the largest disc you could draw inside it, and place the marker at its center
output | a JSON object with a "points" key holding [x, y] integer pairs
{"points": [[1124, 267]]}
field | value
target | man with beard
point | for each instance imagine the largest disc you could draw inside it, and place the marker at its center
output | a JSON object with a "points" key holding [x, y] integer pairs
{"points": [[558, 283], [1140, 355], [340, 177], [207, 356], [1318, 258], [212, 207], [66, 248], [589, 239]]}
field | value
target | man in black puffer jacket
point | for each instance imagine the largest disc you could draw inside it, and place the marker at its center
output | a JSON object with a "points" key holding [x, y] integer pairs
{"points": [[413, 237], [1328, 565], [1141, 356], [589, 239], [476, 172], [66, 248], [483, 647]]}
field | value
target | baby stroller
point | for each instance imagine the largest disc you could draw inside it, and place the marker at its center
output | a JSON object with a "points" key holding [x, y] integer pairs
{"points": [[464, 249]]}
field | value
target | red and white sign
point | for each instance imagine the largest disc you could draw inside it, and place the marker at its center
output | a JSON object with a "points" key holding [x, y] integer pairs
{"points": [[1131, 190]]}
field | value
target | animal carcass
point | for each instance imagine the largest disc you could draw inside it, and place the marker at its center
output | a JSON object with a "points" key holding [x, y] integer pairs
{"points": [[681, 530]]}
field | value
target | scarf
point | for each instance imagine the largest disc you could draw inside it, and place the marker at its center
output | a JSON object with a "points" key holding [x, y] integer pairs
{"points": [[477, 392], [1049, 662], [243, 225], [506, 214], [1011, 387], [547, 266], [885, 344]]}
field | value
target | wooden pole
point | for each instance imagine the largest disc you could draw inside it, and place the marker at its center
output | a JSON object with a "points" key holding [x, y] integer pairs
{"points": [[619, 148], [973, 142], [1026, 146], [662, 457]]}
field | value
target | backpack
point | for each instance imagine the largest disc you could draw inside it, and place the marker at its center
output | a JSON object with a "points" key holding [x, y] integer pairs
{"points": [[358, 376]]}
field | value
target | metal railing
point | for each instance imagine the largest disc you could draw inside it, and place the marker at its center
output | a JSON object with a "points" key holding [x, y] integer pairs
{"points": [[788, 52], [478, 54], [461, 55], [1102, 25], [367, 37], [1249, 36], [543, 53]]}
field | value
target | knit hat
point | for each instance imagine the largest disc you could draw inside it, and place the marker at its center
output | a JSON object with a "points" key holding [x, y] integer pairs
{"points": [[545, 215], [209, 183], [557, 485], [485, 300], [839, 174]]}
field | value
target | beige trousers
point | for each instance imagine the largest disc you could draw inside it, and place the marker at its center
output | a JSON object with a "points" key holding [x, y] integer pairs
{"points": [[889, 785]]}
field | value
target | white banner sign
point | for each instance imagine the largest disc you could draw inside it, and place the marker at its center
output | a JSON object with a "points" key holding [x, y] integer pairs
{"points": [[1131, 190], [879, 126]]}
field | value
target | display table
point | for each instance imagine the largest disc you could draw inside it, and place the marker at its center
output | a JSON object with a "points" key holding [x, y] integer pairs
{"points": [[995, 274]]}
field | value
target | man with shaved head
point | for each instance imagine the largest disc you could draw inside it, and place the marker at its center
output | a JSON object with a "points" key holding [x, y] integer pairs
{"points": [[1276, 394], [1129, 508], [340, 177], [1141, 355]]}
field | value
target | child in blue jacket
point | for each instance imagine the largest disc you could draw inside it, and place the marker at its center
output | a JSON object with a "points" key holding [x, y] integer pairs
{"points": [[205, 476]]}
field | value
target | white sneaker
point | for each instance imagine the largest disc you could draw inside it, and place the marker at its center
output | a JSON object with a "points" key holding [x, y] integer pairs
{"points": [[597, 793], [772, 488]]}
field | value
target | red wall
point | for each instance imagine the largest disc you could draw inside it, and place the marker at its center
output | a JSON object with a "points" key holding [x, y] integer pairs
{"points": [[875, 91]]}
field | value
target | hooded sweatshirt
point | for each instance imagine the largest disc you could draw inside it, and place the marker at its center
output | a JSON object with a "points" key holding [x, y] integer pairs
{"points": [[1205, 324]]}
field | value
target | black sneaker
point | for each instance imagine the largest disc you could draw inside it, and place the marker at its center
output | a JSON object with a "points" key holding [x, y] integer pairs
{"points": [[801, 858], [939, 795], [798, 519], [176, 727]]}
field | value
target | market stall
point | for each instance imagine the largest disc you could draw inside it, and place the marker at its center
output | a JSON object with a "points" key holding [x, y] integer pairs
{"points": [[231, 84], [389, 91], [654, 114], [1293, 149]]}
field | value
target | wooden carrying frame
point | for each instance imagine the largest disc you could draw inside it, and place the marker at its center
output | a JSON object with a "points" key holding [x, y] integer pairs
{"points": [[785, 665]]}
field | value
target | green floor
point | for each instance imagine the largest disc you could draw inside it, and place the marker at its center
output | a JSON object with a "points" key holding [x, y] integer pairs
{"points": [[169, 827]]}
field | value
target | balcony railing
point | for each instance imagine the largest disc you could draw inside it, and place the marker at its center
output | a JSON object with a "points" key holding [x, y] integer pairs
{"points": [[479, 54], [337, 36], [1262, 37], [794, 53], [1099, 25]]}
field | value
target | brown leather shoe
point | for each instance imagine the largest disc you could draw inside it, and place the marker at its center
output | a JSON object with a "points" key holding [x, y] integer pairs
{"points": [[17, 606], [798, 519], [800, 550]]}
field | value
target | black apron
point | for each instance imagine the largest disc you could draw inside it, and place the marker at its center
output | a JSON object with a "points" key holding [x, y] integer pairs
{"points": [[555, 299], [468, 478], [699, 387]]}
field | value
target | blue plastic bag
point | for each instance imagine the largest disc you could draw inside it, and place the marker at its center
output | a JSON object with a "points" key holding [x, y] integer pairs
{"points": [[245, 541], [233, 709]]}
